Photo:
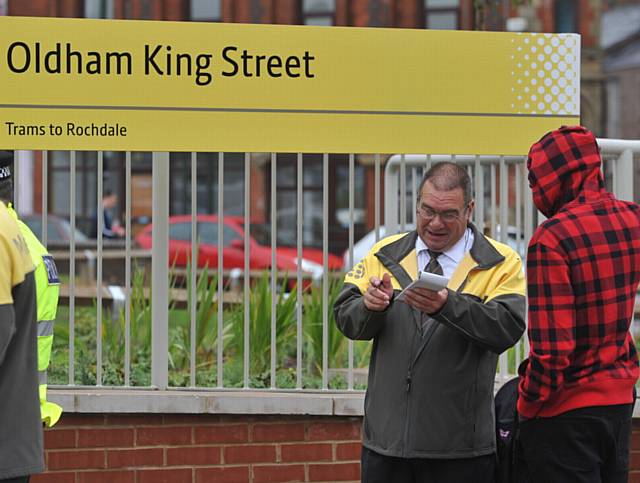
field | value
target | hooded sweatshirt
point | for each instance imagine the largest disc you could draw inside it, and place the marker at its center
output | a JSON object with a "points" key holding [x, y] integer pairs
{"points": [[583, 269]]}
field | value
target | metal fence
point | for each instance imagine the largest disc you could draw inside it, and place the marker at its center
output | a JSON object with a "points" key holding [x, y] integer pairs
{"points": [[504, 210]]}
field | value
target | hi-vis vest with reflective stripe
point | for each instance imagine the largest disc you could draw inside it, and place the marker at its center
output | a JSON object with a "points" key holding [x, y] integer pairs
{"points": [[47, 291]]}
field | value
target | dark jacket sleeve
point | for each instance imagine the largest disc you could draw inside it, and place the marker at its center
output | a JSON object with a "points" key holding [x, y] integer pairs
{"points": [[7, 328], [495, 323], [353, 319]]}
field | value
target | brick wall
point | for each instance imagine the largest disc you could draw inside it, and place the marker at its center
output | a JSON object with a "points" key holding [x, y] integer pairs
{"points": [[634, 457], [90, 448]]}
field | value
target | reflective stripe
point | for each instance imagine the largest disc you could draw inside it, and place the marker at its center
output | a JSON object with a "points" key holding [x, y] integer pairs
{"points": [[42, 377], [45, 327], [44, 351]]}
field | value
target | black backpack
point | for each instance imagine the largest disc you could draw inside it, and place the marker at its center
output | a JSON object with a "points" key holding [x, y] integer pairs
{"points": [[510, 468]]}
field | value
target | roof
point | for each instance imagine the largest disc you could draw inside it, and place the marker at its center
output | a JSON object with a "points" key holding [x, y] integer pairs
{"points": [[626, 56], [618, 24]]}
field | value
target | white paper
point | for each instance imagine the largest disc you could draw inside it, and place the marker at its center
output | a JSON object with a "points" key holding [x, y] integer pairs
{"points": [[428, 280]]}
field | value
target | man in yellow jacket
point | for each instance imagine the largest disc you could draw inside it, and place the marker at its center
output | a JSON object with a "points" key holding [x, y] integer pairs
{"points": [[47, 290]]}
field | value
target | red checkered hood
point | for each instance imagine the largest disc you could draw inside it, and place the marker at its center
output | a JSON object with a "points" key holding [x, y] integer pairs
{"points": [[561, 165]]}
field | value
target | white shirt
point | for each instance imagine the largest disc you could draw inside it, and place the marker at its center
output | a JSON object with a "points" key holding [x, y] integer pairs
{"points": [[450, 258]]}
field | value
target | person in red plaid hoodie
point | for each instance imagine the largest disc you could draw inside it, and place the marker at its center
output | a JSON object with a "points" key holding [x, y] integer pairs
{"points": [[583, 268]]}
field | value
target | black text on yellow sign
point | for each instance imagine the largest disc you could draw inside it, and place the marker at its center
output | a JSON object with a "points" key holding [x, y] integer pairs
{"points": [[156, 60]]}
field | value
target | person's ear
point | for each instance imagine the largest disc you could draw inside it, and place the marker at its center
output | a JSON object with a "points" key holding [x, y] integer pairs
{"points": [[470, 208]]}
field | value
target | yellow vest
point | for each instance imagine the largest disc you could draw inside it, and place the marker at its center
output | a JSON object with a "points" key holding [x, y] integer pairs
{"points": [[47, 291]]}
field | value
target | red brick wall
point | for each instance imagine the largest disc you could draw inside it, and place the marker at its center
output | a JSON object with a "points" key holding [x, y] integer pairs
{"points": [[634, 457], [201, 448], [93, 448]]}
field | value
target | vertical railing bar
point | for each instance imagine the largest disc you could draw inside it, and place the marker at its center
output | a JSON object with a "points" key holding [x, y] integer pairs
{"points": [[299, 301], [17, 157], [194, 267], [351, 205], [470, 169], [403, 193], [325, 274], [351, 223], [479, 195], [528, 232], [99, 195], [220, 324], [376, 201], [127, 273], [45, 197], [504, 200], [72, 266], [274, 268], [504, 228], [414, 190], [518, 181], [528, 215], [518, 207], [428, 162], [493, 201], [614, 174], [247, 212], [160, 271]]}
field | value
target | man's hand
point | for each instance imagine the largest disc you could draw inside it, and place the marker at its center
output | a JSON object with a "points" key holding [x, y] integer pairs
{"points": [[379, 293], [425, 300]]}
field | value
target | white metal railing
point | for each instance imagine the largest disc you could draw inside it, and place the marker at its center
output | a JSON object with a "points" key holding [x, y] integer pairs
{"points": [[502, 201]]}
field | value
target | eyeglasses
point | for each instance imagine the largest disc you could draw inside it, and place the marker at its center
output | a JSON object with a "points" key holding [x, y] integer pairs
{"points": [[447, 216]]}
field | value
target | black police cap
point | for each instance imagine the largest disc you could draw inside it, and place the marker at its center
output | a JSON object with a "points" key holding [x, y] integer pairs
{"points": [[6, 164]]}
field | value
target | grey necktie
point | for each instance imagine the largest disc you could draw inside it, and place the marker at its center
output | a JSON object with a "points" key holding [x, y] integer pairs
{"points": [[434, 267]]}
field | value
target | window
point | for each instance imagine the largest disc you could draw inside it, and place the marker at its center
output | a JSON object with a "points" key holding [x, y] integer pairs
{"points": [[286, 199], [207, 183], [342, 195], [98, 8], [441, 14], [565, 12], [208, 233], [318, 12], [87, 184], [206, 10], [180, 231]]}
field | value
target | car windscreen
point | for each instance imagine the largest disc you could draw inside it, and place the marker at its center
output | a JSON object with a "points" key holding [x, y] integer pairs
{"points": [[261, 232]]}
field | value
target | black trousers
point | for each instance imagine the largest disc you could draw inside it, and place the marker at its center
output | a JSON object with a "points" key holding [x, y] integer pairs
{"points": [[377, 468], [19, 479], [587, 445]]}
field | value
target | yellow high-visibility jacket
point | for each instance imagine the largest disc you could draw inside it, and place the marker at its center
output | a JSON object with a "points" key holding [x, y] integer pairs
{"points": [[430, 394], [47, 291], [21, 449]]}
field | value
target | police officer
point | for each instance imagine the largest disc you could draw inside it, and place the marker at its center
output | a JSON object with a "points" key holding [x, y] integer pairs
{"points": [[21, 449], [47, 290]]}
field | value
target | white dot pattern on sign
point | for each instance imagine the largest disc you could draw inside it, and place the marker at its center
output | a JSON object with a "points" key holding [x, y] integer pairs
{"points": [[544, 68]]}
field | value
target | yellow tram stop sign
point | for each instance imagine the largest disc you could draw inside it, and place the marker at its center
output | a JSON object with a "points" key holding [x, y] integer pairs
{"points": [[184, 86]]}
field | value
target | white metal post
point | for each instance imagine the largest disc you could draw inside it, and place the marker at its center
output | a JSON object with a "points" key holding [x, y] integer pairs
{"points": [[160, 272]]}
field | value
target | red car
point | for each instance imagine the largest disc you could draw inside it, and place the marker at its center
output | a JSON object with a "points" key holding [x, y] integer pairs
{"points": [[233, 253]]}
